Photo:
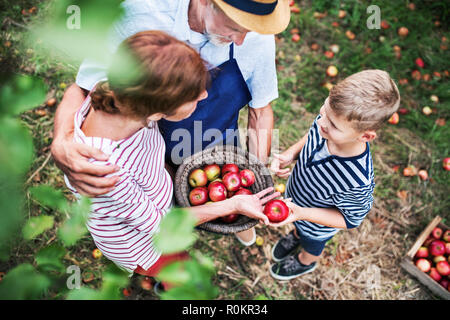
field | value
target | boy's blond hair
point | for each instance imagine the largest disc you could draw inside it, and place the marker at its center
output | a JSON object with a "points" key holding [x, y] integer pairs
{"points": [[367, 99]]}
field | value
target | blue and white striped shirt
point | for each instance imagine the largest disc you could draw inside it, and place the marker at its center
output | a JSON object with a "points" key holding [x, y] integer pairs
{"points": [[330, 182]]}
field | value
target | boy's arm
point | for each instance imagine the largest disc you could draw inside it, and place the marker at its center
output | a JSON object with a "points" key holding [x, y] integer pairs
{"points": [[330, 217], [281, 161]]}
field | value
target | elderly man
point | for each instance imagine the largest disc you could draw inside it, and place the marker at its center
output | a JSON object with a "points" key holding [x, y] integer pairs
{"points": [[235, 38]]}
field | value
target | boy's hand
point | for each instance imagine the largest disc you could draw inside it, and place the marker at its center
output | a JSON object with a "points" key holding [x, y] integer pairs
{"points": [[291, 217], [279, 164]]}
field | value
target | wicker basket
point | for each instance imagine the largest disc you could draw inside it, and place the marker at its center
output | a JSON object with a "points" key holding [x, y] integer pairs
{"points": [[220, 155]]}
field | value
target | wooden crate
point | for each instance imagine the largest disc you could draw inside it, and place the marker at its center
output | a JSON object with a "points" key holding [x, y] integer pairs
{"points": [[408, 263]]}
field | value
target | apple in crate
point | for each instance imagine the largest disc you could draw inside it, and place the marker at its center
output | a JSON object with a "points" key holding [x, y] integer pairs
{"points": [[423, 264], [198, 196], [276, 210], [212, 171], [437, 248], [445, 283], [446, 236], [230, 218], [422, 252], [436, 233], [443, 268], [232, 181], [438, 259], [247, 177], [447, 248], [217, 191], [198, 178], [229, 167], [435, 275]]}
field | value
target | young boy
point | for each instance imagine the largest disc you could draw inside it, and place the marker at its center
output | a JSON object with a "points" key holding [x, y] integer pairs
{"points": [[332, 183]]}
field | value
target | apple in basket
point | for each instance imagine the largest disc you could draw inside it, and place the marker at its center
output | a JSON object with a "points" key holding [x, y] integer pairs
{"points": [[423, 264], [434, 274], [229, 167], [198, 178], [230, 218], [212, 171], [437, 248], [232, 181], [217, 191], [198, 196], [243, 191], [276, 210], [247, 177], [443, 268]]}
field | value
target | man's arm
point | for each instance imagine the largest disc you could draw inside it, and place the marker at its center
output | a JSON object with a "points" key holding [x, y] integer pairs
{"points": [[71, 157], [260, 126]]}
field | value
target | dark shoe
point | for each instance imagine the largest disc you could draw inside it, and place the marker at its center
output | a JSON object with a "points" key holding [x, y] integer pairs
{"points": [[290, 268], [285, 246], [158, 288]]}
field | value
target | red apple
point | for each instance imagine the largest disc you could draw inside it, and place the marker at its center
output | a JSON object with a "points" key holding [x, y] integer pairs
{"points": [[276, 210], [422, 252], [436, 233], [423, 174], [403, 31], [447, 248], [384, 24], [212, 171], [247, 177], [446, 164], [443, 268], [198, 196], [446, 236], [439, 259], [437, 248], [229, 167], [198, 178], [146, 284], [420, 63], [329, 54], [394, 118], [243, 191], [403, 111], [295, 37], [332, 71], [423, 264], [230, 218], [232, 181], [435, 275], [427, 242], [217, 191], [445, 283]]}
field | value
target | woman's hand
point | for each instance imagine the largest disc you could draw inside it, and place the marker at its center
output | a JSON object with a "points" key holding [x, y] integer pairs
{"points": [[87, 178], [293, 216], [252, 206], [279, 164]]}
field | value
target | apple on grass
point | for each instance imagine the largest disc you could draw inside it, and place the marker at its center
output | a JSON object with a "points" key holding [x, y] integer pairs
{"points": [[394, 118], [423, 264], [276, 211], [198, 178], [332, 71], [198, 196], [212, 171], [437, 248], [232, 181], [217, 191], [446, 164], [247, 177], [229, 167]]}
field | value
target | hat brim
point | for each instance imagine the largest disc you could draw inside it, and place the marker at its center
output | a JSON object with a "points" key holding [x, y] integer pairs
{"points": [[273, 23]]}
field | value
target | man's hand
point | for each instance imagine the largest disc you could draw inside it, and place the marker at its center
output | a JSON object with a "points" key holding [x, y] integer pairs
{"points": [[279, 164], [88, 179]]}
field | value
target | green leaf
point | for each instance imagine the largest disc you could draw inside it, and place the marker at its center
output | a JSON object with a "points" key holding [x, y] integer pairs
{"points": [[176, 231], [50, 197], [36, 225], [20, 94], [74, 228], [175, 274], [49, 258], [23, 283]]}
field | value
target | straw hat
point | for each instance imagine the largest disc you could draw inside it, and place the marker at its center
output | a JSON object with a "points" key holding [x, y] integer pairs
{"points": [[261, 16]]}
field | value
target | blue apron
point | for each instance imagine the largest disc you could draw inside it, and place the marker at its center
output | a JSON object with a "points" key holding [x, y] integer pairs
{"points": [[217, 115]]}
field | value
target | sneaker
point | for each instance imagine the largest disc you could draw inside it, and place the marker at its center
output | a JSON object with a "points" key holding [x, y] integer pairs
{"points": [[290, 268], [158, 288], [248, 243], [285, 246]]}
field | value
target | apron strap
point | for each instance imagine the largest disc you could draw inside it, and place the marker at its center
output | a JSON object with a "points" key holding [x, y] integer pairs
{"points": [[231, 50]]}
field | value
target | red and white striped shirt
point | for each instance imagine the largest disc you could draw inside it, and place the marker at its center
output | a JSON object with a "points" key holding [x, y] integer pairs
{"points": [[124, 221]]}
